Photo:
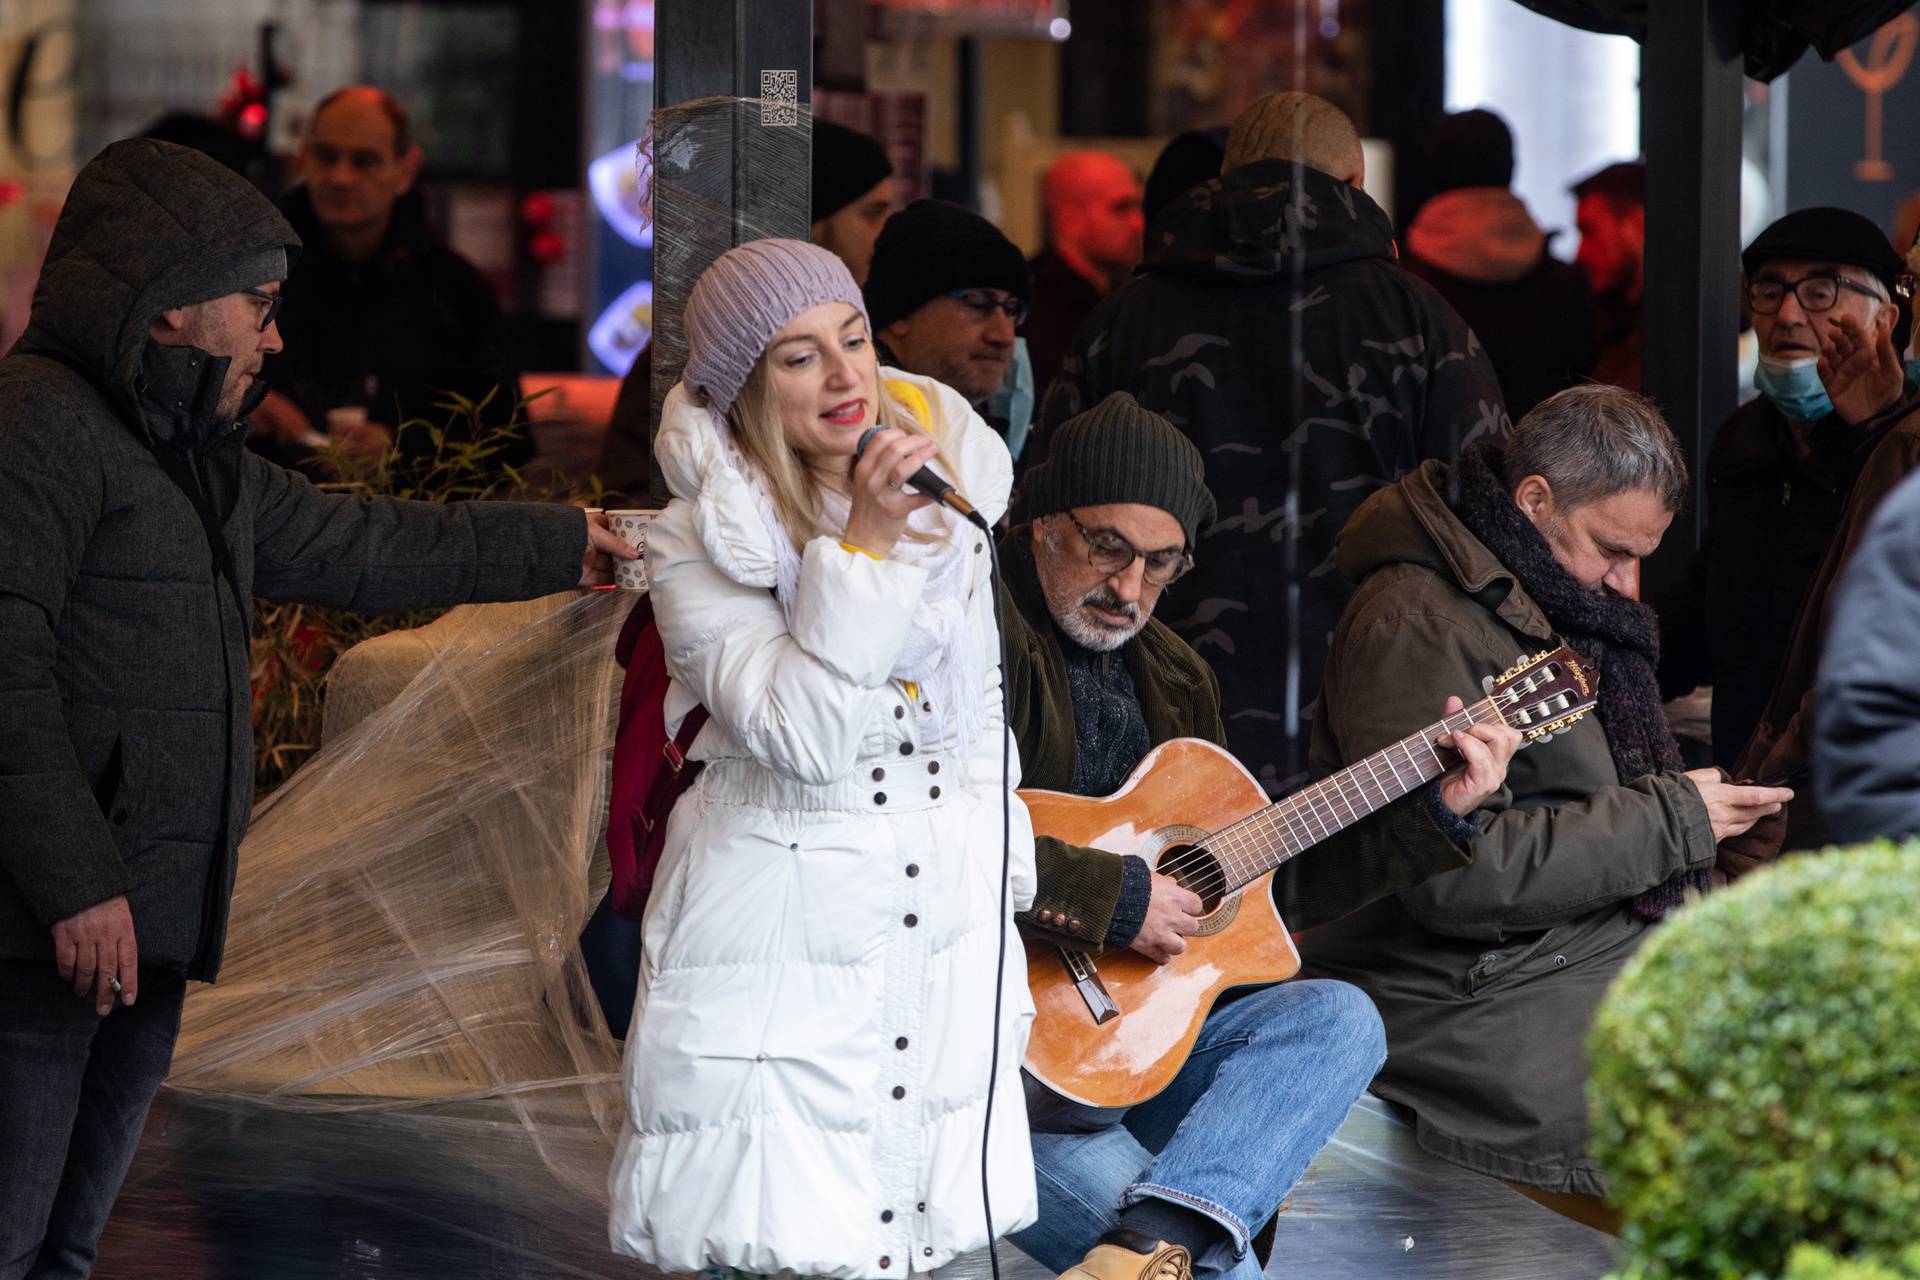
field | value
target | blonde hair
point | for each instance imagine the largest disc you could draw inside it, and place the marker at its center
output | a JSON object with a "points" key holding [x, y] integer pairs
{"points": [[793, 486]]}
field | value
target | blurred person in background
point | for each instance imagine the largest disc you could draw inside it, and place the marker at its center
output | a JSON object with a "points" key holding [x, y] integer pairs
{"points": [[947, 293], [1612, 218], [1190, 159], [1270, 321], [1476, 243], [1094, 228], [382, 319], [852, 194]]}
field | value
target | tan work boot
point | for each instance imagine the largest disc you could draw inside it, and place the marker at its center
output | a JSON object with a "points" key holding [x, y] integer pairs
{"points": [[1117, 1262]]}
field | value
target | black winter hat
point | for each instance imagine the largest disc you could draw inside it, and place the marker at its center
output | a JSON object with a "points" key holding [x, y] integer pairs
{"points": [[932, 247], [1470, 149], [846, 165], [1118, 451], [1827, 234]]}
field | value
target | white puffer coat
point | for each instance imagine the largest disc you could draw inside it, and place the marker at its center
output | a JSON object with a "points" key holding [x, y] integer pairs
{"points": [[806, 1073]]}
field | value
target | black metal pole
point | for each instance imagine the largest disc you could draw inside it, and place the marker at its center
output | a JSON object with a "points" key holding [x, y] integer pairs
{"points": [[1691, 93], [734, 52]]}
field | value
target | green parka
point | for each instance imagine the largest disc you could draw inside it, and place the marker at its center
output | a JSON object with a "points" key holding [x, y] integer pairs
{"points": [[1487, 977], [1397, 847]]}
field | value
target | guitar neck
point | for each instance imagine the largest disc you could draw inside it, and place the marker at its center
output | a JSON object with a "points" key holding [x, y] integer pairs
{"points": [[1259, 842]]}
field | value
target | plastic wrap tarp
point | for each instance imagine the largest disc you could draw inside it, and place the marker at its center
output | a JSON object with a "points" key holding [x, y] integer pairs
{"points": [[405, 924]]}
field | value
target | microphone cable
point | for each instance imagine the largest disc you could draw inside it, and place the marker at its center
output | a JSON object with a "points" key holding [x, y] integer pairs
{"points": [[1006, 867]]}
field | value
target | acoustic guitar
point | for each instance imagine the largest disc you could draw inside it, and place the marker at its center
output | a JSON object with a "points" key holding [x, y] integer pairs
{"points": [[1113, 1031]]}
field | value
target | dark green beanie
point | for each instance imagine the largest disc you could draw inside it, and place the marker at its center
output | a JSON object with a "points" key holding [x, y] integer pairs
{"points": [[1116, 452]]}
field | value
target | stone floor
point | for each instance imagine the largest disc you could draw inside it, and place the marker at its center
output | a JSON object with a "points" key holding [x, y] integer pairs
{"points": [[226, 1188]]}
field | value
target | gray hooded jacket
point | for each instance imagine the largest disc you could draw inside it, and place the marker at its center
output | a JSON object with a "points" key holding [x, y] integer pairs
{"points": [[138, 528]]}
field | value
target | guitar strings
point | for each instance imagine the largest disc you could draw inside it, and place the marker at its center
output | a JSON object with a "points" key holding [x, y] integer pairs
{"points": [[1242, 851], [1243, 846]]}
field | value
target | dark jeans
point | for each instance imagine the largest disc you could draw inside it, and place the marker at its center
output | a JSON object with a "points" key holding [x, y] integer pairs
{"points": [[74, 1091]]}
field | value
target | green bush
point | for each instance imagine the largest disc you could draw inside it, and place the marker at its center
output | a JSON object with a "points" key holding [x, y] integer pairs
{"points": [[1756, 1073], [1810, 1263]]}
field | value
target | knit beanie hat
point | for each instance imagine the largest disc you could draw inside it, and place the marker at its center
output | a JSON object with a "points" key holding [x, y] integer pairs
{"points": [[743, 299], [1118, 451], [846, 165], [932, 247]]}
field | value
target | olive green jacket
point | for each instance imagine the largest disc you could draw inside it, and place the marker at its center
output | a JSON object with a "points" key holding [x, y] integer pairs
{"points": [[1396, 848], [1487, 977]]}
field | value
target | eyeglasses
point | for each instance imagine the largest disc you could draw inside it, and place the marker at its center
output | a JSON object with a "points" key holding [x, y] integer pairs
{"points": [[983, 303], [1816, 293], [273, 306], [1110, 553]]}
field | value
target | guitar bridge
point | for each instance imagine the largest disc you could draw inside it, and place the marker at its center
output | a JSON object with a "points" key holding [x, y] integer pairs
{"points": [[1086, 980]]}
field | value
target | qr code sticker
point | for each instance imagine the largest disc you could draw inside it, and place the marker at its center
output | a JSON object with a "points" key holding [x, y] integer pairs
{"points": [[779, 98]]}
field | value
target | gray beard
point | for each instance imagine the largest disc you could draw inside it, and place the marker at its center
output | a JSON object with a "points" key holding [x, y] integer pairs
{"points": [[1097, 636]]}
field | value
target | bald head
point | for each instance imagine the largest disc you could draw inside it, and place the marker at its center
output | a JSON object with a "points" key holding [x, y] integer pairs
{"points": [[1093, 214], [359, 158], [1300, 128]]}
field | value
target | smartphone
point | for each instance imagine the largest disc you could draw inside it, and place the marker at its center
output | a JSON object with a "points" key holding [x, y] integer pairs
{"points": [[1796, 777]]}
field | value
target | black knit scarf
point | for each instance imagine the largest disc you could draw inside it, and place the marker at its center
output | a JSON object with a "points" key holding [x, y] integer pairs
{"points": [[1620, 634]]}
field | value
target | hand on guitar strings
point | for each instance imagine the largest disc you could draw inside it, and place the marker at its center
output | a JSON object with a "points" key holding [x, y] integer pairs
{"points": [[1485, 751], [1173, 914]]}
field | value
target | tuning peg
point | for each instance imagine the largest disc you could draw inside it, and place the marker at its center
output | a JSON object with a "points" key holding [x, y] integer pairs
{"points": [[1486, 685]]}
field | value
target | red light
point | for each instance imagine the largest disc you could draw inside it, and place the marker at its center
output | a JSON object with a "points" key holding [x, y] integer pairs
{"points": [[547, 248], [253, 119], [536, 209]]}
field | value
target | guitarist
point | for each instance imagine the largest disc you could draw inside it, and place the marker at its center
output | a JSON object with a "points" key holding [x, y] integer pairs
{"points": [[1487, 978], [1095, 683]]}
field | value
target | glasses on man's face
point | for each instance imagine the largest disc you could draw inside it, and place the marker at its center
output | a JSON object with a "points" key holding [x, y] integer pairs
{"points": [[982, 303], [272, 312], [1110, 553], [1816, 293]]}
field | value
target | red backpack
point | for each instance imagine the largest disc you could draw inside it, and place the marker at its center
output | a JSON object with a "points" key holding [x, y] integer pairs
{"points": [[650, 770]]}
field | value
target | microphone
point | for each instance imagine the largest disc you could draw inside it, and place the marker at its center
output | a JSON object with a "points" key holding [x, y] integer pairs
{"points": [[930, 482]]}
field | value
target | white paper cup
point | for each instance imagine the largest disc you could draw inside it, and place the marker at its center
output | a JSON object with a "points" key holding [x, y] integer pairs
{"points": [[346, 418], [631, 528]]}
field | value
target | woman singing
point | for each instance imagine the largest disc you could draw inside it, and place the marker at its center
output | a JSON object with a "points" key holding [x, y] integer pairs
{"points": [[807, 1070]]}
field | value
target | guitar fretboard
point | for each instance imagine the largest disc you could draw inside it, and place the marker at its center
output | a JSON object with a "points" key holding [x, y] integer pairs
{"points": [[1259, 842]]}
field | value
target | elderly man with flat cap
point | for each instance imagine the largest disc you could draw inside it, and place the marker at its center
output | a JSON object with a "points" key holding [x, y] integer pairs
{"points": [[1095, 682], [1824, 286], [1793, 481]]}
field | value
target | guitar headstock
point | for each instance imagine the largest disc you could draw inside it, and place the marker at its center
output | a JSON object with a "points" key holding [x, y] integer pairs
{"points": [[1546, 694]]}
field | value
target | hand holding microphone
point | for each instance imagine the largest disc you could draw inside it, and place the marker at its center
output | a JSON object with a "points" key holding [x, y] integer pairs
{"points": [[885, 460]]}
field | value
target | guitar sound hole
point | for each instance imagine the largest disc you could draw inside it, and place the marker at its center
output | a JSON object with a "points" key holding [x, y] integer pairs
{"points": [[1196, 870]]}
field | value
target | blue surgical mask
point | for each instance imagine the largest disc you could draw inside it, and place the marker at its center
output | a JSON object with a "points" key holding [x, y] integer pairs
{"points": [[1013, 402], [1794, 386]]}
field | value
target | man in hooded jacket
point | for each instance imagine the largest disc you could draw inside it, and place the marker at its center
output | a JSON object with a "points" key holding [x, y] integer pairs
{"points": [[1476, 243], [138, 530], [1270, 321]]}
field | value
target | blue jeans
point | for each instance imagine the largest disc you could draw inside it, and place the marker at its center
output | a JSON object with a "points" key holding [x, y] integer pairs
{"points": [[1271, 1077]]}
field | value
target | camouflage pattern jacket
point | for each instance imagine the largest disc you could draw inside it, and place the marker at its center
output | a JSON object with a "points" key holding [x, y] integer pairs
{"points": [[1270, 321]]}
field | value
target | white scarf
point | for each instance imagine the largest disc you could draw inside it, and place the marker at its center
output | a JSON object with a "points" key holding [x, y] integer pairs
{"points": [[940, 655]]}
